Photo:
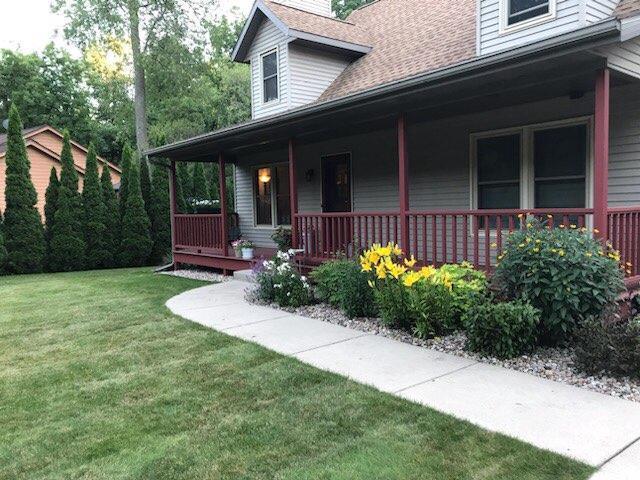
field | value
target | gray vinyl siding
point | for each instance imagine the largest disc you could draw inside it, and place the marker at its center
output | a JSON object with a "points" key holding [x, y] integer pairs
{"points": [[624, 57], [439, 156], [321, 7], [624, 160], [597, 10], [267, 38], [311, 72], [569, 16]]}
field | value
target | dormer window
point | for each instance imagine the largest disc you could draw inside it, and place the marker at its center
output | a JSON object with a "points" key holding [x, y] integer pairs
{"points": [[516, 14], [270, 86]]}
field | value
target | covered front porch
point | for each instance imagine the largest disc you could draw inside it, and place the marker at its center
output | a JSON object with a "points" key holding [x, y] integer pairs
{"points": [[414, 175]]}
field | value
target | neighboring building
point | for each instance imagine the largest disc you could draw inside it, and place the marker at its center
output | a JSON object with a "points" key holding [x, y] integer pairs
{"points": [[44, 145], [433, 123]]}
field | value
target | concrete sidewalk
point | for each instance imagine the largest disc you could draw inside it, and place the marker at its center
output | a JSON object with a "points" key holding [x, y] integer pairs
{"points": [[599, 430]]}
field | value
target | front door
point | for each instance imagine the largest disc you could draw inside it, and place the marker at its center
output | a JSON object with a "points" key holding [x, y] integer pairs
{"points": [[336, 183]]}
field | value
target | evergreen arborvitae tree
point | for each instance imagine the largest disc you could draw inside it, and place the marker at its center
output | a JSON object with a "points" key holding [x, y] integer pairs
{"points": [[160, 214], [3, 249], [135, 240], [145, 184], [200, 191], [23, 232], [125, 164], [184, 185], [94, 214], [50, 207], [112, 219], [67, 238], [185, 179], [214, 190]]}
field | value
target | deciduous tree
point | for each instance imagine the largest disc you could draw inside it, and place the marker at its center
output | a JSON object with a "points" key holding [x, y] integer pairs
{"points": [[199, 188], [24, 235]]}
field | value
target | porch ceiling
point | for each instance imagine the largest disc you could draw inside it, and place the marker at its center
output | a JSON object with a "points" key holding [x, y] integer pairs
{"points": [[558, 73]]}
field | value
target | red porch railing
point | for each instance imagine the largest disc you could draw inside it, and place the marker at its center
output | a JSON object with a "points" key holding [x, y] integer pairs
{"points": [[477, 236], [435, 237], [624, 233], [324, 236], [199, 231]]}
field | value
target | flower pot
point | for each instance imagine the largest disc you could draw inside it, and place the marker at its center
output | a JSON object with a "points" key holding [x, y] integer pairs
{"points": [[247, 253]]}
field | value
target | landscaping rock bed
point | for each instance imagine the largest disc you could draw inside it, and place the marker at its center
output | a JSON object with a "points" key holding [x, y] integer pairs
{"points": [[551, 363], [202, 275]]}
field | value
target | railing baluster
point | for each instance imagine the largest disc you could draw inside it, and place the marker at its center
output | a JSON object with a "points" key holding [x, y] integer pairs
{"points": [[465, 237], [444, 238], [487, 243], [454, 234], [475, 233], [434, 241]]}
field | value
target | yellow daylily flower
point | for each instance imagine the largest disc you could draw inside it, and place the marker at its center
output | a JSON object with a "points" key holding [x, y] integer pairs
{"points": [[410, 263]]}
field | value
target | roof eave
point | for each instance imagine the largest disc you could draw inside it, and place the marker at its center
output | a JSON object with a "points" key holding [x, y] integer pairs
{"points": [[582, 39]]}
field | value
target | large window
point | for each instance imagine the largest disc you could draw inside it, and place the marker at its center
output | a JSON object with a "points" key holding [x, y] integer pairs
{"points": [[270, 86], [542, 166], [516, 13], [272, 199]]}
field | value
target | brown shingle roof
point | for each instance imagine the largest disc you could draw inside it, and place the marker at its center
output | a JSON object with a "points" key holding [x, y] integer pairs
{"points": [[627, 8], [303, 21], [408, 37]]}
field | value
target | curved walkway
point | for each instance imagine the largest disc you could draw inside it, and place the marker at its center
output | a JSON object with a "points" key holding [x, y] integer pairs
{"points": [[599, 430]]}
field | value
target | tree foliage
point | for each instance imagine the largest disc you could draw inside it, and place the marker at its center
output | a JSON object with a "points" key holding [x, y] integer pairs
{"points": [[3, 248], [145, 183], [199, 188], [50, 207], [67, 239], [343, 8], [112, 219], [24, 235], [94, 214], [135, 242], [160, 214], [126, 162]]}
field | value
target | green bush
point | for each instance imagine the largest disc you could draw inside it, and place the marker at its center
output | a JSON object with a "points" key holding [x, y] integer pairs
{"points": [[342, 284], [279, 282], [564, 272], [612, 347], [135, 241], [503, 330], [94, 224], [112, 219], [467, 284], [282, 238], [433, 309]]}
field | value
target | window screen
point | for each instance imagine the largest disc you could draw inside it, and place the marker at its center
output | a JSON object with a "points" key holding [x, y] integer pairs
{"points": [[270, 77], [499, 172]]}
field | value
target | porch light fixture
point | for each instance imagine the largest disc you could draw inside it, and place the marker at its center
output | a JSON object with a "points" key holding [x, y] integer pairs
{"points": [[264, 175]]}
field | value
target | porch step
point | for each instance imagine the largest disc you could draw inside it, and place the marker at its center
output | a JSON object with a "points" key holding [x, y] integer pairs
{"points": [[244, 276]]}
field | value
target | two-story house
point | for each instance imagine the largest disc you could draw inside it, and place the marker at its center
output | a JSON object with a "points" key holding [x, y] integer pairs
{"points": [[433, 123]]}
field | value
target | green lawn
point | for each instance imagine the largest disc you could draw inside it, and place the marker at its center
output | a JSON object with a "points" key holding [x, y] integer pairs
{"points": [[100, 381]]}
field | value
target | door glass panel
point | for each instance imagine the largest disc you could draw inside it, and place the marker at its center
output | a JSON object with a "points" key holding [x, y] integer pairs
{"points": [[263, 182], [336, 183]]}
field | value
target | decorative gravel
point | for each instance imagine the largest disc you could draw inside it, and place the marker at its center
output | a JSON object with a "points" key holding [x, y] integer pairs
{"points": [[551, 363], [201, 275]]}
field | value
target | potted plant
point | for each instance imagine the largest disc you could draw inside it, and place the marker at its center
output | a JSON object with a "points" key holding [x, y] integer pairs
{"points": [[247, 248], [282, 238], [237, 247]]}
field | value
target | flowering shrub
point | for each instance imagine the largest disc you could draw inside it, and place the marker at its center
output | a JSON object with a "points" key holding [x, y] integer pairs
{"points": [[503, 330], [278, 281], [564, 272], [429, 300]]}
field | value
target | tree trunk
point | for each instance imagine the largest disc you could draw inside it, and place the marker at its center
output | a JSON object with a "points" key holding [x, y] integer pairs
{"points": [[140, 94]]}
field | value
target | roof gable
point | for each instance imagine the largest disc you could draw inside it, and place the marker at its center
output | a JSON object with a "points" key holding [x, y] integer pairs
{"points": [[302, 27]]}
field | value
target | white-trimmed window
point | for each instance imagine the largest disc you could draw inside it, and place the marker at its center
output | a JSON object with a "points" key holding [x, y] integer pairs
{"points": [[272, 196], [516, 14], [537, 166], [270, 77]]}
